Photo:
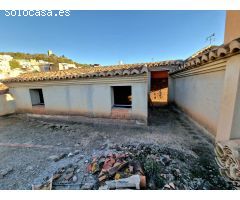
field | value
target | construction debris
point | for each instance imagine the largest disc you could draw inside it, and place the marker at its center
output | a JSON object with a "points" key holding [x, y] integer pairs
{"points": [[87, 186], [133, 181], [4, 172], [228, 160], [64, 176], [169, 186], [56, 158], [70, 155], [134, 166], [117, 171], [74, 179], [44, 186], [158, 168]]}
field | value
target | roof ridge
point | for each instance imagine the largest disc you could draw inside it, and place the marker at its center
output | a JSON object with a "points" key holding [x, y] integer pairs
{"points": [[212, 55], [87, 72]]}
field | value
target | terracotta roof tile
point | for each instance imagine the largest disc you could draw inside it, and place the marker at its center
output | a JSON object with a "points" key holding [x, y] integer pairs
{"points": [[3, 88], [87, 72], [209, 55], [202, 51]]}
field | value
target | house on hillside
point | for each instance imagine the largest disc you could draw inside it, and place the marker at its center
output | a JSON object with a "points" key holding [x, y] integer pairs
{"points": [[65, 66], [4, 63], [35, 65]]}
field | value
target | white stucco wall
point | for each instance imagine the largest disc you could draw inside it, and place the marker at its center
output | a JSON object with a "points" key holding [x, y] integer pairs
{"points": [[140, 99], [80, 96], [200, 95], [23, 94], [101, 100], [235, 134], [229, 126], [7, 104], [171, 86], [83, 97], [56, 98]]}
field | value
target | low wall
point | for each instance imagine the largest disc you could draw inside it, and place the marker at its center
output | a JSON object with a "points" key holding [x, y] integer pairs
{"points": [[7, 104], [198, 92]]}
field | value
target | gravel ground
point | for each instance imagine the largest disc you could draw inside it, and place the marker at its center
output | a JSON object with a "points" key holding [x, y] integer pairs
{"points": [[27, 143]]}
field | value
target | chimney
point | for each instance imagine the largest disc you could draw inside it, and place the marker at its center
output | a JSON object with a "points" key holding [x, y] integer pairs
{"points": [[232, 25]]}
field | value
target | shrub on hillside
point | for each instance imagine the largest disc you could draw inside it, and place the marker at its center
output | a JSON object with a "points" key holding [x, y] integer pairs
{"points": [[14, 64]]}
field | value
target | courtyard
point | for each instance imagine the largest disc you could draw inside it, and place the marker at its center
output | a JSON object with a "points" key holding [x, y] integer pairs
{"points": [[27, 143]]}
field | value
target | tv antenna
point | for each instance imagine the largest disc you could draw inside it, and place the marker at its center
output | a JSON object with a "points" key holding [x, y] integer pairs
{"points": [[211, 38]]}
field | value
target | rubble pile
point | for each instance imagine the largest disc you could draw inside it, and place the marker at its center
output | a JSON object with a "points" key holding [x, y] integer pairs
{"points": [[66, 172], [149, 166], [134, 166], [120, 170], [228, 160]]}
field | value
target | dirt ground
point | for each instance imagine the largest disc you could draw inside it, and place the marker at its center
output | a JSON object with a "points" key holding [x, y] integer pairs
{"points": [[27, 143]]}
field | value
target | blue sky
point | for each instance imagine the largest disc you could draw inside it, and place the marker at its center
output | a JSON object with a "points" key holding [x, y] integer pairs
{"points": [[105, 37]]}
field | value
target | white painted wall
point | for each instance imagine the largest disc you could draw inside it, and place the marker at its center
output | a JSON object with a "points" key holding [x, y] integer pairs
{"points": [[22, 98], [83, 99], [171, 86], [80, 96], [229, 126], [7, 104], [140, 100], [56, 98], [101, 100], [235, 134], [200, 95]]}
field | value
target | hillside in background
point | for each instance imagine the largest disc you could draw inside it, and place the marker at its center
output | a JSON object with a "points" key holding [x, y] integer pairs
{"points": [[48, 58]]}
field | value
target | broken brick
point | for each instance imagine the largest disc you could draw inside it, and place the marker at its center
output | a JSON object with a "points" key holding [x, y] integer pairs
{"points": [[102, 178], [117, 166]]}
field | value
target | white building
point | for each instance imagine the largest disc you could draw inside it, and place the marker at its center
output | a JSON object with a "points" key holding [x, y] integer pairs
{"points": [[65, 66], [4, 63], [206, 86], [34, 65], [5, 58], [4, 66]]}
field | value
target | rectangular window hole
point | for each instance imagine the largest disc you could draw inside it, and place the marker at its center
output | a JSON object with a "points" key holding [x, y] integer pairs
{"points": [[36, 97], [122, 96]]}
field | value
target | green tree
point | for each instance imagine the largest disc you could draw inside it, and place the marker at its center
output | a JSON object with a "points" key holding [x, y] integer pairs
{"points": [[14, 64]]}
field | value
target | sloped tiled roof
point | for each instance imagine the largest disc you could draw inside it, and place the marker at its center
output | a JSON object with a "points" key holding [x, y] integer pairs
{"points": [[202, 51], [88, 72], [211, 55], [3, 88]]}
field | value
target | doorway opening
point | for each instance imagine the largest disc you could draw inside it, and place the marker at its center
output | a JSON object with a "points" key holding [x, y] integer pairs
{"points": [[159, 88]]}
